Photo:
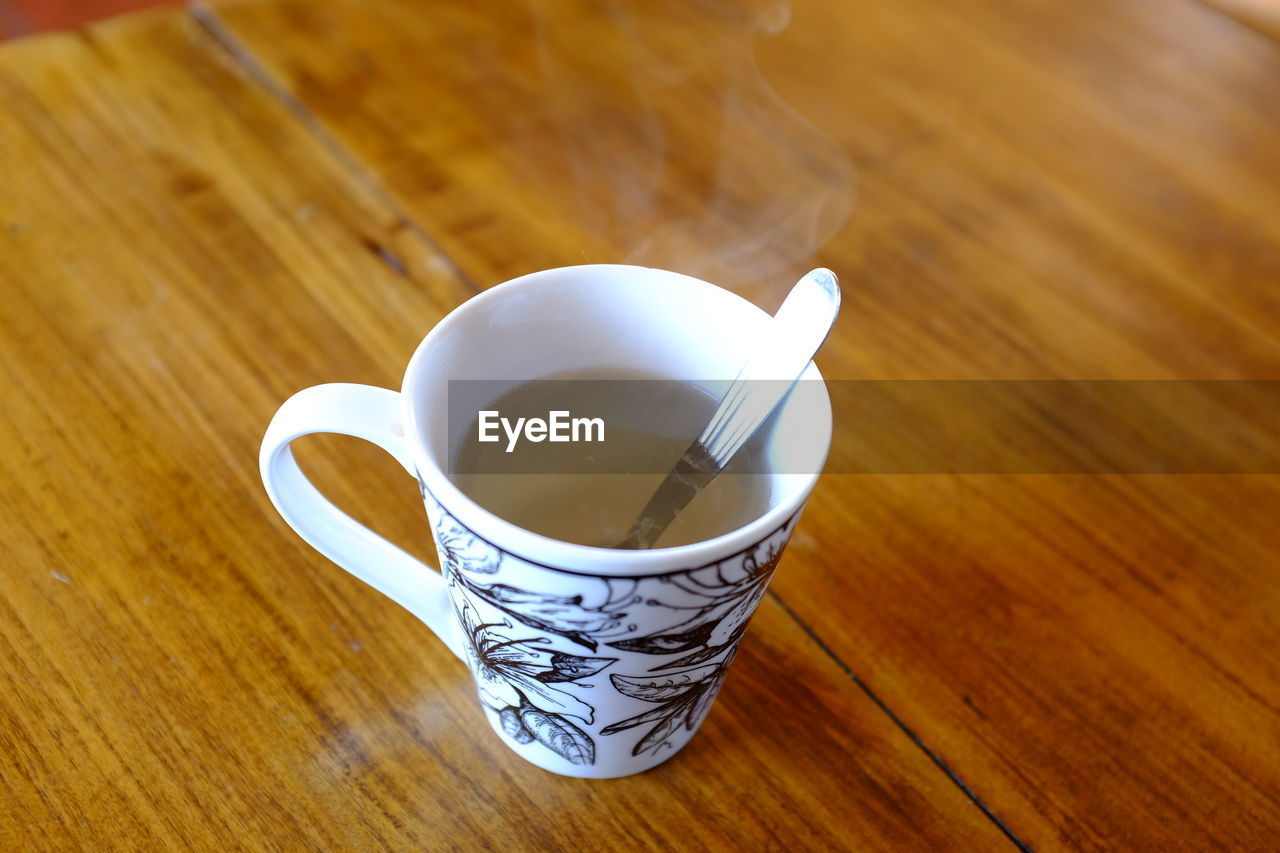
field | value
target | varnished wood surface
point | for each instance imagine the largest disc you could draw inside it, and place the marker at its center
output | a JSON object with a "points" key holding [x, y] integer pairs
{"points": [[1261, 15], [1044, 190], [208, 210], [179, 671]]}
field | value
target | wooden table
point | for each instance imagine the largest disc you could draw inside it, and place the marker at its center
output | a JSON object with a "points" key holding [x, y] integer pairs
{"points": [[204, 210]]}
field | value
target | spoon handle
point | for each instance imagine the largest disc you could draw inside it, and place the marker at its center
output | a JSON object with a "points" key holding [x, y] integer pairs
{"points": [[796, 332], [793, 336]]}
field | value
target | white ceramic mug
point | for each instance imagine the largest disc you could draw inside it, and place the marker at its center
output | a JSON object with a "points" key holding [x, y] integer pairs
{"points": [[589, 662]]}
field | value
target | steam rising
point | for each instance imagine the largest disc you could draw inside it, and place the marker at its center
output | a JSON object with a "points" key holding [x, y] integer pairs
{"points": [[681, 153]]}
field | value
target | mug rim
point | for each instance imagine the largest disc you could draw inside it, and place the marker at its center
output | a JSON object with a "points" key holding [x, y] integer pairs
{"points": [[569, 557]]}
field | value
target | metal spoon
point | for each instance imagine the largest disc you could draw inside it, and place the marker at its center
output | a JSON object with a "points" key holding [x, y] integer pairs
{"points": [[789, 343]]}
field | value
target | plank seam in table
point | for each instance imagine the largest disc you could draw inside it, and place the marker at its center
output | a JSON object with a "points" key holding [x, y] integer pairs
{"points": [[240, 53], [897, 721], [243, 56]]}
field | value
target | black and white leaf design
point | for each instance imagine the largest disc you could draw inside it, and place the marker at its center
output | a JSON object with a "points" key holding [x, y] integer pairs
{"points": [[727, 606], [763, 559], [554, 614], [509, 718], [704, 654], [640, 719], [573, 667], [667, 644], [502, 593], [559, 735], [659, 734], [662, 688], [506, 668], [699, 708], [685, 698], [527, 681], [463, 551]]}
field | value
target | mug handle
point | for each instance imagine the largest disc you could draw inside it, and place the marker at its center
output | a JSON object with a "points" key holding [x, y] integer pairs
{"points": [[373, 414]]}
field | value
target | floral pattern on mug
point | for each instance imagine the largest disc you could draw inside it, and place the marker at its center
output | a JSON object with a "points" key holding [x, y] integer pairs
{"points": [[534, 650], [514, 672]]}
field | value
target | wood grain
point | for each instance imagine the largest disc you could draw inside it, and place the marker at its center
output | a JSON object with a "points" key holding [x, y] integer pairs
{"points": [[1261, 15], [1084, 207], [1043, 190], [47, 15], [177, 669]]}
